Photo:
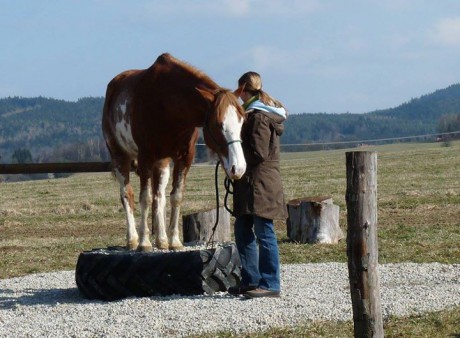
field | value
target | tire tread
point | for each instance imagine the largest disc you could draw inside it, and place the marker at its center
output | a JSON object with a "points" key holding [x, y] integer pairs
{"points": [[114, 273]]}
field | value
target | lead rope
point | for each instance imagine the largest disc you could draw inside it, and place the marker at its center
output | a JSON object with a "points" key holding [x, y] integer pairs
{"points": [[227, 184]]}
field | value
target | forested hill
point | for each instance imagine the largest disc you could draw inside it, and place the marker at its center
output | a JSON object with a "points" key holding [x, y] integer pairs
{"points": [[416, 117], [40, 124]]}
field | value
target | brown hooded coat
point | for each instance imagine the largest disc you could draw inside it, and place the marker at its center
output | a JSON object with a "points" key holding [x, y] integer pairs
{"points": [[260, 191]]}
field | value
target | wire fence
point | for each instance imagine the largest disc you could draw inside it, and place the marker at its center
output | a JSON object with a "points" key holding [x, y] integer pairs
{"points": [[305, 160], [431, 137], [419, 162]]}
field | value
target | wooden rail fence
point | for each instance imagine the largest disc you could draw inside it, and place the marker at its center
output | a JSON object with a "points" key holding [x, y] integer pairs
{"points": [[51, 168]]}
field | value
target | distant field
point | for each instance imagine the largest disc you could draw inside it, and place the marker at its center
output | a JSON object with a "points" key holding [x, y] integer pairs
{"points": [[44, 225]]}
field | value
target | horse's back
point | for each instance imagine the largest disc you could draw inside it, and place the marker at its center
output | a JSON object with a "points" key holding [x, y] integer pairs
{"points": [[116, 120], [131, 82], [150, 108], [134, 113], [121, 82]]}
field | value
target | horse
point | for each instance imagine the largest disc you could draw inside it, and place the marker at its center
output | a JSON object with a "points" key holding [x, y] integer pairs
{"points": [[152, 116]]}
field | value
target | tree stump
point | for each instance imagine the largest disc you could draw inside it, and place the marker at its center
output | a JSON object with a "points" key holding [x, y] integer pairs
{"points": [[314, 220], [197, 227]]}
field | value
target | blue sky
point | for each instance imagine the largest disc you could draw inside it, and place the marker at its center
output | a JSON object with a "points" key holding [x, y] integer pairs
{"points": [[331, 56]]}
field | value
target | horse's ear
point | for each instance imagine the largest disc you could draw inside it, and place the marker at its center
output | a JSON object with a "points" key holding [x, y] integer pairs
{"points": [[238, 91], [206, 93]]}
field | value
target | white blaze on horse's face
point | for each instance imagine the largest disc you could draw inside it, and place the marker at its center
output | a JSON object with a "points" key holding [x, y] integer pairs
{"points": [[234, 164]]}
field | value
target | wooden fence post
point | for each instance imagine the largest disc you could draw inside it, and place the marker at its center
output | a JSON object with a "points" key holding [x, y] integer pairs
{"points": [[362, 247]]}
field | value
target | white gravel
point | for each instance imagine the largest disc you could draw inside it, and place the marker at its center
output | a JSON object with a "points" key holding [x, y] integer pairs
{"points": [[49, 305]]}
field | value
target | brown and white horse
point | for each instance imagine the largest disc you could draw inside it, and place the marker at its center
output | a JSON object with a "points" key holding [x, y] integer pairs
{"points": [[152, 116]]}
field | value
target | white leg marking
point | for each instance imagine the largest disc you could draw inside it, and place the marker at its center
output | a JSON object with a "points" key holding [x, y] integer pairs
{"points": [[231, 129], [145, 200], [131, 235], [176, 200], [159, 219]]}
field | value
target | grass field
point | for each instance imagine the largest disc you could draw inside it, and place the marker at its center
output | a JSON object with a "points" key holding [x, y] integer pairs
{"points": [[44, 225]]}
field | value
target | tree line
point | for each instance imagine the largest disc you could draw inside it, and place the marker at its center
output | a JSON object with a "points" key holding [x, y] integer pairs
{"points": [[49, 130], [432, 113]]}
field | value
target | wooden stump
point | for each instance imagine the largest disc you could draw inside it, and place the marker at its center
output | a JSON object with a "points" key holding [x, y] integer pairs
{"points": [[197, 227], [314, 220]]}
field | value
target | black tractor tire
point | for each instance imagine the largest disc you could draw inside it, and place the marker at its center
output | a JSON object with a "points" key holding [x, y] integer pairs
{"points": [[114, 273]]}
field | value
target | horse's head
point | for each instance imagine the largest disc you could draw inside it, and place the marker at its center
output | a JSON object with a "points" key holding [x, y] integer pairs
{"points": [[222, 130]]}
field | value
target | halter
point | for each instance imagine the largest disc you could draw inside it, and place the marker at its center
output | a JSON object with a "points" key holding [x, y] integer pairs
{"points": [[206, 127]]}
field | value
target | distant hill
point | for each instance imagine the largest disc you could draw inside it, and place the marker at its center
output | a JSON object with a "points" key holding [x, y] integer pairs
{"points": [[416, 117], [42, 125]]}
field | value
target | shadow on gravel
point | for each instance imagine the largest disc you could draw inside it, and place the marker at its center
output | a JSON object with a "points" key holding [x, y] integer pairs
{"points": [[204, 297], [33, 297], [52, 297]]}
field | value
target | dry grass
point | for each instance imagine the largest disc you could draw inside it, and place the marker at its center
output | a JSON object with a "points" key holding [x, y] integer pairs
{"points": [[44, 225], [436, 324]]}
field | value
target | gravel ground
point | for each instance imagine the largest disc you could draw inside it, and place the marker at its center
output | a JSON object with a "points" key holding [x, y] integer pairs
{"points": [[50, 305]]}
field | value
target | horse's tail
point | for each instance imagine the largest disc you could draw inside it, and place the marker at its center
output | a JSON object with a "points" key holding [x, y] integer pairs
{"points": [[105, 117]]}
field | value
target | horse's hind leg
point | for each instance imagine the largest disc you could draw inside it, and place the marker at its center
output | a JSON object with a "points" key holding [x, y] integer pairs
{"points": [[127, 199], [160, 180]]}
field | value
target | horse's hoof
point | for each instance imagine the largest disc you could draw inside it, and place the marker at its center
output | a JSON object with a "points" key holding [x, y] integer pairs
{"points": [[145, 248], [162, 245], [176, 247], [132, 245]]}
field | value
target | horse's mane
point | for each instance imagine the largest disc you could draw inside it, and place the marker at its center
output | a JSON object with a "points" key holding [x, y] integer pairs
{"points": [[186, 68], [224, 97]]}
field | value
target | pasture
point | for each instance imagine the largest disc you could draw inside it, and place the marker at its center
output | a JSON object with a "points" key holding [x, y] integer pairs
{"points": [[44, 225]]}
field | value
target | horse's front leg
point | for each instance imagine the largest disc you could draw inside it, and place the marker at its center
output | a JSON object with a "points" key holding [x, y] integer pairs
{"points": [[145, 200], [176, 197], [160, 180]]}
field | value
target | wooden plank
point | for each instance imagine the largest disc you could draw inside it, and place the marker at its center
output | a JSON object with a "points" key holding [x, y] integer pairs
{"points": [[44, 168]]}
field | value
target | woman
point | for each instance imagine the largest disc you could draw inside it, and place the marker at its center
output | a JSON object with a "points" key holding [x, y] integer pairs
{"points": [[258, 196]]}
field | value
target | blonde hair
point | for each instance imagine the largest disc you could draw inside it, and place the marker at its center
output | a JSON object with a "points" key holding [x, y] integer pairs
{"points": [[252, 83]]}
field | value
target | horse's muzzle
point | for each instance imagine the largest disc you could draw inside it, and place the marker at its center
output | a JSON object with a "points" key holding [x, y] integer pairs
{"points": [[237, 172]]}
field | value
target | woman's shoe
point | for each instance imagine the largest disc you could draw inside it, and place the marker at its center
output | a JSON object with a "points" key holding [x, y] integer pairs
{"points": [[256, 293], [240, 290]]}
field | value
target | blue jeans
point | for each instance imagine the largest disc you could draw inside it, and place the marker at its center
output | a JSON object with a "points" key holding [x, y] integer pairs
{"points": [[255, 239]]}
